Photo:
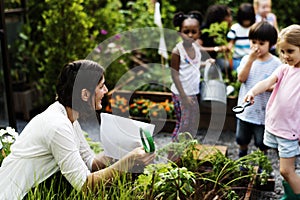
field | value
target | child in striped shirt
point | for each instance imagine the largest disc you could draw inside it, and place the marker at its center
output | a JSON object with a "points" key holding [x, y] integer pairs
{"points": [[238, 34], [256, 66]]}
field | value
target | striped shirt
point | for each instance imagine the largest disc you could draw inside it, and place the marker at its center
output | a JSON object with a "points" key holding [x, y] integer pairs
{"points": [[259, 71], [239, 34]]}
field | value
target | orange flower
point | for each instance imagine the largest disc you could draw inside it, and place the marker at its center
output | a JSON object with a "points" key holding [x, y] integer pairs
{"points": [[167, 108], [112, 101], [154, 113], [140, 101], [132, 105], [108, 108]]}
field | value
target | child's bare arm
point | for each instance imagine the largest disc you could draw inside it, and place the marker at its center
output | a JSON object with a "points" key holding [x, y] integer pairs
{"points": [[230, 45], [207, 61], [260, 87], [244, 73]]}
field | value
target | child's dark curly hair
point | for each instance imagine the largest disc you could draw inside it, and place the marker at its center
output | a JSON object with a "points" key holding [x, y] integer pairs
{"points": [[180, 17]]}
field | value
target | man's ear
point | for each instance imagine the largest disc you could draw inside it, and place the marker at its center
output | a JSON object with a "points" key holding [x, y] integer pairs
{"points": [[85, 94]]}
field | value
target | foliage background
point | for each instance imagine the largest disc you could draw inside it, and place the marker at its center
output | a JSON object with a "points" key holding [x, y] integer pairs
{"points": [[56, 32]]}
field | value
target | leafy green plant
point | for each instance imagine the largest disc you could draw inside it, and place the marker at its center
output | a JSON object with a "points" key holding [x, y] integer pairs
{"points": [[58, 46], [218, 31], [180, 150], [56, 32], [233, 82], [166, 181], [216, 174], [257, 158]]}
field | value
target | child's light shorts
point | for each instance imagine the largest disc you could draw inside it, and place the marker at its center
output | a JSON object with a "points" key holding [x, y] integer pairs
{"points": [[286, 148]]}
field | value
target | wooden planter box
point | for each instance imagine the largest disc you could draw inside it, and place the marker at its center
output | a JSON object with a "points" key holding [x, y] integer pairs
{"points": [[206, 119], [246, 190], [25, 101], [249, 191]]}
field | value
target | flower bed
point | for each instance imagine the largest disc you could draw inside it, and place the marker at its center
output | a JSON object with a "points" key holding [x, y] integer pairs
{"points": [[160, 113], [141, 107], [144, 106]]}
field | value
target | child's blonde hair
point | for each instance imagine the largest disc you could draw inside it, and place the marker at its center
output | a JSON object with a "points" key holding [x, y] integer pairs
{"points": [[256, 3], [290, 34]]}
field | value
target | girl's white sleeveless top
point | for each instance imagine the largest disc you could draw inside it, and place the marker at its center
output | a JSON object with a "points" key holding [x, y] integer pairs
{"points": [[189, 71]]}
